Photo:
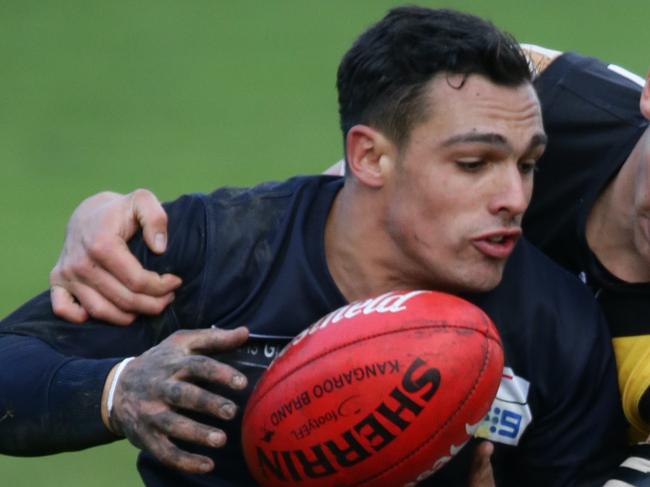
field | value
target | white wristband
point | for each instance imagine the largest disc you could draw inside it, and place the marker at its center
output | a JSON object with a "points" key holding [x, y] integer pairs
{"points": [[111, 391]]}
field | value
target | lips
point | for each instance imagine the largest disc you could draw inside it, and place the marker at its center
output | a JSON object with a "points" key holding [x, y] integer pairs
{"points": [[497, 244]]}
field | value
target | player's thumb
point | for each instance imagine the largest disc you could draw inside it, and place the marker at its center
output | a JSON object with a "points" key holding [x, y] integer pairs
{"points": [[152, 218]]}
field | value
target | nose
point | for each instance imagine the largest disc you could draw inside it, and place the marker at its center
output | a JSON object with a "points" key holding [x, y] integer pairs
{"points": [[512, 192]]}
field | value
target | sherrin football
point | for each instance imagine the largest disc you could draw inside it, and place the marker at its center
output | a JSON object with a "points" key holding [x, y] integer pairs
{"points": [[381, 392]]}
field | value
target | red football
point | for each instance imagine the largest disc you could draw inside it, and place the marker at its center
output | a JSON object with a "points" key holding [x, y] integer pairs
{"points": [[380, 392]]}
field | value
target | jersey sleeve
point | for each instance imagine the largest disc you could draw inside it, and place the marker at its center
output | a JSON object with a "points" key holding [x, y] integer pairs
{"points": [[52, 373]]}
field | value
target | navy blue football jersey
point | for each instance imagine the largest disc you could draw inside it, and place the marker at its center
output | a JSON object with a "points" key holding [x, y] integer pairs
{"points": [[256, 257]]}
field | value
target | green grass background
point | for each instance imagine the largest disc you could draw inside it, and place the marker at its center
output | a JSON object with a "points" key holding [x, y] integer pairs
{"points": [[182, 96]]}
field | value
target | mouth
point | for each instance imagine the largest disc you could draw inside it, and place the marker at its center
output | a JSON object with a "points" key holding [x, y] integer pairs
{"points": [[497, 244]]}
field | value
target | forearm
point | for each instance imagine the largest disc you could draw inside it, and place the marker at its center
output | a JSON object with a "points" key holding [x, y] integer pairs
{"points": [[52, 375], [52, 372], [49, 402]]}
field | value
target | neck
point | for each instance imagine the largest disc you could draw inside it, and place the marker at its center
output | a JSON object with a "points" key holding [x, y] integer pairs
{"points": [[610, 224], [359, 253]]}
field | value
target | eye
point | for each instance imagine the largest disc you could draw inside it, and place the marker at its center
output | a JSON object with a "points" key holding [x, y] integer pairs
{"points": [[528, 166], [471, 165]]}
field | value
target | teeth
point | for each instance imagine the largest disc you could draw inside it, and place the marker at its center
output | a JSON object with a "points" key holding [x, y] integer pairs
{"points": [[496, 239]]}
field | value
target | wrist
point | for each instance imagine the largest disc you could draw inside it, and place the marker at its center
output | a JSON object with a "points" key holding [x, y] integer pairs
{"points": [[108, 396]]}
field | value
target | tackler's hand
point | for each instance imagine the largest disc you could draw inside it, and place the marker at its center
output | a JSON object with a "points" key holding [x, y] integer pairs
{"points": [[153, 389], [96, 274]]}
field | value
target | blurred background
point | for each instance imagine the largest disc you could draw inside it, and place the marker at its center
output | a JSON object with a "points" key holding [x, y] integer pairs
{"points": [[182, 96]]}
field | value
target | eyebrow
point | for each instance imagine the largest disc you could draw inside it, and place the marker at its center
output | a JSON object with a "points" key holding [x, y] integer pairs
{"points": [[492, 139]]}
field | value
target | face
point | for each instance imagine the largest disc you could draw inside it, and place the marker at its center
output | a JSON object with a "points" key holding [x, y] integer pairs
{"points": [[641, 212], [458, 189]]}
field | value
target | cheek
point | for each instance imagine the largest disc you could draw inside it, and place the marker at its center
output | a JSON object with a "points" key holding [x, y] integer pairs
{"points": [[642, 235], [417, 222], [642, 198], [433, 210], [642, 186], [529, 184], [441, 230]]}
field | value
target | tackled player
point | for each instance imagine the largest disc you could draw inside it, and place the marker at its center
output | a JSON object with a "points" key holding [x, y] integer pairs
{"points": [[443, 130]]}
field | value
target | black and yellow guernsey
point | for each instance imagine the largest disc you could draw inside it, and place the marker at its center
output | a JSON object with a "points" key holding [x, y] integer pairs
{"points": [[592, 117]]}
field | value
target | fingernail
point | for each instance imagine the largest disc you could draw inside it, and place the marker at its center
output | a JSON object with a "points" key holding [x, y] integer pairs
{"points": [[228, 411], [205, 466], [238, 381], [216, 439], [160, 242]]}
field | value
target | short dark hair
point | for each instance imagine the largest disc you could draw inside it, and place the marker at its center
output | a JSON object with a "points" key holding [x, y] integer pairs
{"points": [[382, 78]]}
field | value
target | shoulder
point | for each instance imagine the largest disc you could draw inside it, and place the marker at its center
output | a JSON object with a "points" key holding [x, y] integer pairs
{"points": [[549, 63], [246, 231], [255, 208], [274, 194], [540, 302], [262, 209], [568, 79], [531, 268], [558, 312], [610, 87]]}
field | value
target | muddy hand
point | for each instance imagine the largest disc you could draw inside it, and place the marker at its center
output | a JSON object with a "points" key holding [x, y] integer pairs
{"points": [[157, 386]]}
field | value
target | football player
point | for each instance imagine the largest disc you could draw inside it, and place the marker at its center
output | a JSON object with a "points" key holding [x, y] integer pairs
{"points": [[443, 130]]}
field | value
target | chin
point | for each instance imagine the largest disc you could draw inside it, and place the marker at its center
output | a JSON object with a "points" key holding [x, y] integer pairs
{"points": [[474, 277], [481, 282]]}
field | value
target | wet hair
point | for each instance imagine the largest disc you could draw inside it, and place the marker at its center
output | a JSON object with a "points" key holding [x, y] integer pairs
{"points": [[382, 79]]}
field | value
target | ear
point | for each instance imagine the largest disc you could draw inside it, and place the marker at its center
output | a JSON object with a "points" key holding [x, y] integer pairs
{"points": [[645, 98], [370, 155]]}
